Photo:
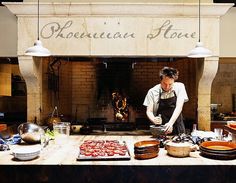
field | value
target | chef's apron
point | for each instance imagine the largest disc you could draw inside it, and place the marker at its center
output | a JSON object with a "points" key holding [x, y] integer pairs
{"points": [[166, 109]]}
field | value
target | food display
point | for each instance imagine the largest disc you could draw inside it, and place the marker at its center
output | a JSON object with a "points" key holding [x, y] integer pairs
{"points": [[103, 150]]}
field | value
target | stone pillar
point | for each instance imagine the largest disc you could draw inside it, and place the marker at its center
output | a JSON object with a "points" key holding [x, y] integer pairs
{"points": [[209, 70], [31, 70]]}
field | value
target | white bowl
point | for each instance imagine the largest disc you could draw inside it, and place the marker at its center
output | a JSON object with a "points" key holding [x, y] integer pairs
{"points": [[26, 152]]}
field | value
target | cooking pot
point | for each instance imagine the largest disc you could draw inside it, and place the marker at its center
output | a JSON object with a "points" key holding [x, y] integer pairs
{"points": [[181, 149]]}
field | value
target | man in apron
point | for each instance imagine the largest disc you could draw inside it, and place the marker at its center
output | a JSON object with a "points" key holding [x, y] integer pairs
{"points": [[165, 101]]}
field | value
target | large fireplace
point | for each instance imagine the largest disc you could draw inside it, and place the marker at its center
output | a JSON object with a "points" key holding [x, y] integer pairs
{"points": [[117, 50], [108, 93]]}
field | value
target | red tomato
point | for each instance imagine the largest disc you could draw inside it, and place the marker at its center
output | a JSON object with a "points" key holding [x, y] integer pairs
{"points": [[110, 148], [97, 150], [101, 153], [111, 153], [87, 153], [82, 152], [82, 147], [122, 153], [94, 154]]}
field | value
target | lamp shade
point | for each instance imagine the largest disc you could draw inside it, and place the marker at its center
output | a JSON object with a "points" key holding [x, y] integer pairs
{"points": [[199, 51], [38, 50]]}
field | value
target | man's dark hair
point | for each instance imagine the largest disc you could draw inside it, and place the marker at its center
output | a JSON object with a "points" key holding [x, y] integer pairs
{"points": [[169, 72]]}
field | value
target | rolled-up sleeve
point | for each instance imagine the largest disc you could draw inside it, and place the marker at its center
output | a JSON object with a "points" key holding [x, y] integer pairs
{"points": [[148, 99], [182, 92]]}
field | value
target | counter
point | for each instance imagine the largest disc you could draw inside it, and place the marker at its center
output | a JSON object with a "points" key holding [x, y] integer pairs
{"points": [[64, 166]]}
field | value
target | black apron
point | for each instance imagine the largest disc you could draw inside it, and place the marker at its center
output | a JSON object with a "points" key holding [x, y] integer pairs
{"points": [[166, 109]]}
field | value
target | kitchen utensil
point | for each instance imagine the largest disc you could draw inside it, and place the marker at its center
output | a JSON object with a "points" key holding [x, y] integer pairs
{"points": [[26, 152], [61, 132], [231, 130], [221, 150], [146, 149], [157, 130], [146, 144], [54, 118], [180, 150], [219, 146], [76, 128], [86, 129], [218, 133], [218, 156], [30, 132], [146, 156]]}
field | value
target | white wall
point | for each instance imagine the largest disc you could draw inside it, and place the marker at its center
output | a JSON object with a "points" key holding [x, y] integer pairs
{"points": [[8, 33], [228, 34]]}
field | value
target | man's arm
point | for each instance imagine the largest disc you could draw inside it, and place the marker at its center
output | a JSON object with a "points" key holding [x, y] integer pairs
{"points": [[154, 119]]}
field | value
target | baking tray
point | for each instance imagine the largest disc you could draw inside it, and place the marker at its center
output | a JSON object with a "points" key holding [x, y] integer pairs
{"points": [[106, 157]]}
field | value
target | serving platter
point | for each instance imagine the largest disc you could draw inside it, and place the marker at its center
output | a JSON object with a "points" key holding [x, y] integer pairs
{"points": [[218, 156], [218, 150], [218, 146], [103, 150]]}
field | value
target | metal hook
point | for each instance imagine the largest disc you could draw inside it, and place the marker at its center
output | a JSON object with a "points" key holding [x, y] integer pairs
{"points": [[105, 63], [133, 64]]}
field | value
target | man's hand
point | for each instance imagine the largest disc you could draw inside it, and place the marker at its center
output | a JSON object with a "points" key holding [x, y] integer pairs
{"points": [[168, 128], [157, 120]]}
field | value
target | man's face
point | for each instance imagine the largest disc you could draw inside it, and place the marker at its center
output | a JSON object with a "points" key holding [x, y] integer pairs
{"points": [[166, 83]]}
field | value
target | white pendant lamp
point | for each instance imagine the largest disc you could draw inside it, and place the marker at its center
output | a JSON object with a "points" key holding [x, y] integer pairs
{"points": [[199, 51], [38, 50]]}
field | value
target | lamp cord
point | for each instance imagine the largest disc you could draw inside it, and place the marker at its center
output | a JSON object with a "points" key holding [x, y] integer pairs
{"points": [[199, 21], [38, 19]]}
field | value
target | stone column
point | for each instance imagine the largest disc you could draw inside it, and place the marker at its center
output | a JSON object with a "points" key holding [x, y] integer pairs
{"points": [[209, 70], [31, 70]]}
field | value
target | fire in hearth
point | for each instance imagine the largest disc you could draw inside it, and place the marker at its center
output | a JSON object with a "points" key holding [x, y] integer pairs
{"points": [[120, 107]]}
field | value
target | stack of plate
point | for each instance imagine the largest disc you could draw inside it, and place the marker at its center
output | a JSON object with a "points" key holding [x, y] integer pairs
{"points": [[218, 150], [26, 152], [146, 149]]}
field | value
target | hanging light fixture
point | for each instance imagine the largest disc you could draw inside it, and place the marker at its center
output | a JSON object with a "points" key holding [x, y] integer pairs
{"points": [[38, 50], [199, 51]]}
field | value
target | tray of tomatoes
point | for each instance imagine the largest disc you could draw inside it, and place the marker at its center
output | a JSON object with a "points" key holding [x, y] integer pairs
{"points": [[103, 150]]}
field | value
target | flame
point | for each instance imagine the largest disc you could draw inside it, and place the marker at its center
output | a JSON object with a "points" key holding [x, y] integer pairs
{"points": [[120, 106]]}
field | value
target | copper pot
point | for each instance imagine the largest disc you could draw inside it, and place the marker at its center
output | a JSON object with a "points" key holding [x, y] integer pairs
{"points": [[54, 118]]}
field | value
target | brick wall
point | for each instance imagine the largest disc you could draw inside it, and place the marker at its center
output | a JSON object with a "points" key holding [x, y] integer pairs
{"points": [[90, 80], [61, 97]]}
